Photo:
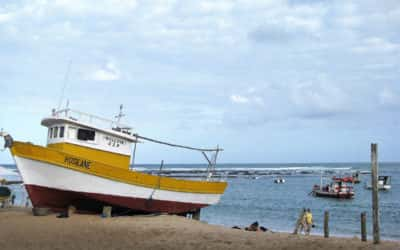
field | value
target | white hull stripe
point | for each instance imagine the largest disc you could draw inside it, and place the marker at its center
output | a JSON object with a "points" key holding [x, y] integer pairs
{"points": [[51, 176]]}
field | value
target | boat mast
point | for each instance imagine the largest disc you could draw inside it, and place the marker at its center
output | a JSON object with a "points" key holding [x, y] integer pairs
{"points": [[320, 186], [66, 77]]}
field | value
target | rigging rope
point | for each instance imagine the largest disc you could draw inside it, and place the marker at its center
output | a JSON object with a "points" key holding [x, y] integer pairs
{"points": [[178, 146], [64, 85]]}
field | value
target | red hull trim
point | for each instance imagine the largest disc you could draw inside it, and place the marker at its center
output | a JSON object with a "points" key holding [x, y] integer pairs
{"points": [[57, 200]]}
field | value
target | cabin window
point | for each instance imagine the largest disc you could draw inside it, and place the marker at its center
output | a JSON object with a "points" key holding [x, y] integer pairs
{"points": [[50, 132], [86, 134], [55, 132], [62, 132]]}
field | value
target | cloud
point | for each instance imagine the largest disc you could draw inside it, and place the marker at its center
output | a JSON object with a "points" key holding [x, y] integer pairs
{"points": [[389, 98], [258, 100], [286, 29], [239, 99], [5, 17], [317, 100], [376, 44], [188, 37], [350, 21], [105, 7], [109, 72], [216, 6], [249, 97], [288, 23]]}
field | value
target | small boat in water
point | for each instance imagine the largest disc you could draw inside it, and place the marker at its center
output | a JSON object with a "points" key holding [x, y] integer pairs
{"points": [[347, 179], [279, 180], [384, 183], [336, 189]]}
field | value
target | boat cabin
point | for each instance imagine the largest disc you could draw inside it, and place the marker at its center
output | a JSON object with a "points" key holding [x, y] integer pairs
{"points": [[383, 180], [90, 137], [384, 183]]}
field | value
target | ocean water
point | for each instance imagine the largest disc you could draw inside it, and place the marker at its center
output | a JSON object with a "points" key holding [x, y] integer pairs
{"points": [[253, 196]]}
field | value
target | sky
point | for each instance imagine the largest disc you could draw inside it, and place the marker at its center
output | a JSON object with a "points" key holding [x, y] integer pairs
{"points": [[268, 81]]}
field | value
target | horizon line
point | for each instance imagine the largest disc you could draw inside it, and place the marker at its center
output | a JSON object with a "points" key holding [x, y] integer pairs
{"points": [[254, 163]]}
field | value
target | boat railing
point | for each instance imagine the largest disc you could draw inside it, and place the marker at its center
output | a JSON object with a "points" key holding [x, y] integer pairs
{"points": [[83, 117]]}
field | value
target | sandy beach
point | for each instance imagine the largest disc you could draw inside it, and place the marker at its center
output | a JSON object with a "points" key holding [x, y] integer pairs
{"points": [[19, 229]]}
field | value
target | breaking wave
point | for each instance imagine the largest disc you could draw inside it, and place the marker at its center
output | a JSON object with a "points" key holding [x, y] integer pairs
{"points": [[242, 171]]}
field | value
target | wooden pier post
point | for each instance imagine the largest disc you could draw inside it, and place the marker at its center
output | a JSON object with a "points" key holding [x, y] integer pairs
{"points": [[375, 198], [363, 226], [326, 224]]}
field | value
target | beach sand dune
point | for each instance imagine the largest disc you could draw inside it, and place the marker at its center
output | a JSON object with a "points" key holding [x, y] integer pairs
{"points": [[19, 229]]}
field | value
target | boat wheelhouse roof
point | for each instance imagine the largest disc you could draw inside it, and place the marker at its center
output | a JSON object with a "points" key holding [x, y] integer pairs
{"points": [[90, 121]]}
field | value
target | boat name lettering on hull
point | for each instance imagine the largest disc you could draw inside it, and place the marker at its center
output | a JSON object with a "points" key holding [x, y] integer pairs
{"points": [[77, 162]]}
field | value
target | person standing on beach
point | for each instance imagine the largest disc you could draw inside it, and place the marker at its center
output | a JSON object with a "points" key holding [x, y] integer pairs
{"points": [[12, 199], [309, 221], [303, 224]]}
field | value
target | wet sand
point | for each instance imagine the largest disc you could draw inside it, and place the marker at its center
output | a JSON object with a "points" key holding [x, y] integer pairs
{"points": [[19, 229]]}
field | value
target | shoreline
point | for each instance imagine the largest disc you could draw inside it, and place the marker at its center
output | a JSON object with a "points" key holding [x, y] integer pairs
{"points": [[369, 237], [19, 229]]}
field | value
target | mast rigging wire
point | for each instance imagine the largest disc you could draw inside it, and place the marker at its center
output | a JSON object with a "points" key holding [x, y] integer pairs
{"points": [[177, 145], [66, 77]]}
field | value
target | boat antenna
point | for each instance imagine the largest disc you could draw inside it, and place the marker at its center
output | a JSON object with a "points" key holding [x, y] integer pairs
{"points": [[64, 85], [120, 115]]}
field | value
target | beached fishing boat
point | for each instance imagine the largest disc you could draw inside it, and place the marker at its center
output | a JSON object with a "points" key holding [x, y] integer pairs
{"points": [[86, 163]]}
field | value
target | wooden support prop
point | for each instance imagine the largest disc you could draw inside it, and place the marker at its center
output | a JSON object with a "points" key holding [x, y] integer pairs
{"points": [[107, 211], [326, 224], [375, 198], [363, 226], [71, 210], [196, 214]]}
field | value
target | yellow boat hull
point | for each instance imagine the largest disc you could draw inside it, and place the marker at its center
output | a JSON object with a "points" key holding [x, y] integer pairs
{"points": [[57, 179]]}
